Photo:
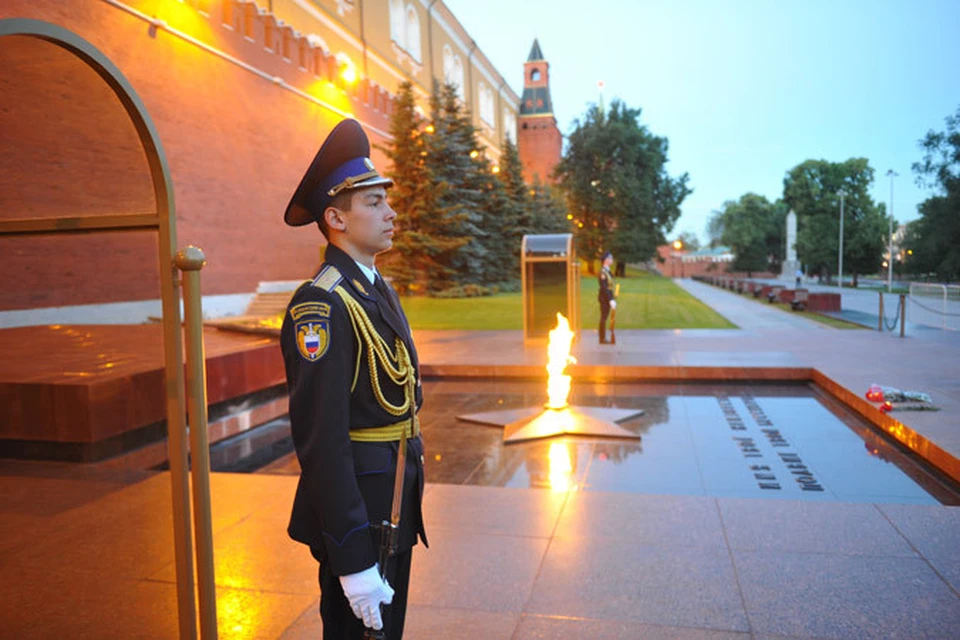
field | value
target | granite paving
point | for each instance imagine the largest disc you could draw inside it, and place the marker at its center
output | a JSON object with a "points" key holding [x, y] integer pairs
{"points": [[86, 550]]}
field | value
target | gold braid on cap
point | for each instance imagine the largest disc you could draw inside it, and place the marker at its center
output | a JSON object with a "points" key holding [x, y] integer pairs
{"points": [[396, 365], [349, 182]]}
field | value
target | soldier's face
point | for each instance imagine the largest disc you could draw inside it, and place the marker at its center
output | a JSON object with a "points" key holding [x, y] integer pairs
{"points": [[368, 224]]}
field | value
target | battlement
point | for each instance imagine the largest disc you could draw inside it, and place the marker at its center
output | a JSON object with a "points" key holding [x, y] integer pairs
{"points": [[259, 39]]}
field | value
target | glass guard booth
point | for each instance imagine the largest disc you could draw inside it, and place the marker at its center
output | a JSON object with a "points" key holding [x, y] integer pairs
{"points": [[551, 283]]}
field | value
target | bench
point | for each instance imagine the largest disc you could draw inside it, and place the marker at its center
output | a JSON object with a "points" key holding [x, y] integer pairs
{"points": [[799, 302]]}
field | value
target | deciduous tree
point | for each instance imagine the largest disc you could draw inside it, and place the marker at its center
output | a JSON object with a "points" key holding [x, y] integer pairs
{"points": [[934, 239], [753, 227], [811, 190], [616, 185]]}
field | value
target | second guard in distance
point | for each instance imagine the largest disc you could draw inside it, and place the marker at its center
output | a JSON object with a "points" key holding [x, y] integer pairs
{"points": [[606, 296]]}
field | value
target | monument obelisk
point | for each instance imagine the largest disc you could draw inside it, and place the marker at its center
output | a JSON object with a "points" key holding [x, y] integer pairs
{"points": [[788, 270]]}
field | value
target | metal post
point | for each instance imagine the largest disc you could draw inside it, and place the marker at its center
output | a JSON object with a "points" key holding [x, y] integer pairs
{"points": [[893, 174], [176, 444], [190, 260], [944, 306], [880, 318], [843, 194], [903, 313]]}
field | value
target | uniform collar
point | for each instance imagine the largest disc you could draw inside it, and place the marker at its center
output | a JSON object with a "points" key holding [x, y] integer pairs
{"points": [[350, 269], [371, 274]]}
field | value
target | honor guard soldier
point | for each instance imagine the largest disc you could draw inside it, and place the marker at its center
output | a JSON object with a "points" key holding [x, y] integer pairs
{"points": [[354, 384], [606, 297]]}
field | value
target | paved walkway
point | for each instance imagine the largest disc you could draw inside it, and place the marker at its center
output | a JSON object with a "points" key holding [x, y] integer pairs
{"points": [[753, 316], [863, 306], [87, 552]]}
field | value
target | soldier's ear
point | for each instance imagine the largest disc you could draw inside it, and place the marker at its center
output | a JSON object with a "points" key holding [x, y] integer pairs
{"points": [[335, 219]]}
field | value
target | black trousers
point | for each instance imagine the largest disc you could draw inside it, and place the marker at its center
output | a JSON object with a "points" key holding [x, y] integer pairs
{"points": [[339, 623], [604, 314]]}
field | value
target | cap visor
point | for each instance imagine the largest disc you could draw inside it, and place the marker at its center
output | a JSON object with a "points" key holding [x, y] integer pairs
{"points": [[373, 182]]}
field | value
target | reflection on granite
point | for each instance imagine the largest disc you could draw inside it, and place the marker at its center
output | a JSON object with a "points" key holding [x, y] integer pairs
{"points": [[787, 441]]}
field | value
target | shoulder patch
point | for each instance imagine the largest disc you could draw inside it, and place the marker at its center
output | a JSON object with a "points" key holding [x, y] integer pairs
{"points": [[311, 325], [328, 278]]}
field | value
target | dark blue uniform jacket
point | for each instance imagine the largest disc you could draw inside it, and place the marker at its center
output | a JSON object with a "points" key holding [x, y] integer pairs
{"points": [[344, 485]]}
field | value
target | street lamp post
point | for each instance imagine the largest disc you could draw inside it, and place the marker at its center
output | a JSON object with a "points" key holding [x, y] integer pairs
{"points": [[843, 194], [892, 174]]}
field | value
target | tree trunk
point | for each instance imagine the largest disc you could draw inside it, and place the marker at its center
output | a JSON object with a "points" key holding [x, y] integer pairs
{"points": [[854, 279]]}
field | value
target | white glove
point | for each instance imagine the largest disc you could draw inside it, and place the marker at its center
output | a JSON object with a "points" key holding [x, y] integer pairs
{"points": [[366, 590], [613, 304]]}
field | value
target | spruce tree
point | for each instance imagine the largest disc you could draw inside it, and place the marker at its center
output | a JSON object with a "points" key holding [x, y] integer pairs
{"points": [[459, 184], [421, 245], [548, 210], [513, 214], [500, 225]]}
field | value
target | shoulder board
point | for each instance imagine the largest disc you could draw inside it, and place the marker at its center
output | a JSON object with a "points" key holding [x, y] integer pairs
{"points": [[328, 278]]}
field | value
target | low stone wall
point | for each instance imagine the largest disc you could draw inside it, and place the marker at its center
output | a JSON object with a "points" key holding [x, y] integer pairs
{"points": [[815, 301], [823, 302]]}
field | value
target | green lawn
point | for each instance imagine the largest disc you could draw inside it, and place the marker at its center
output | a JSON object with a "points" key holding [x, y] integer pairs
{"points": [[646, 302]]}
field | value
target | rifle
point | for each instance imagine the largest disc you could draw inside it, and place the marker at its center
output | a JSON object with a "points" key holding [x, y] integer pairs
{"points": [[613, 317], [389, 529]]}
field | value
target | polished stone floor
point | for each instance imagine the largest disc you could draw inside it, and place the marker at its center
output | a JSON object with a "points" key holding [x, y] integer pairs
{"points": [[90, 555], [787, 441], [86, 551]]}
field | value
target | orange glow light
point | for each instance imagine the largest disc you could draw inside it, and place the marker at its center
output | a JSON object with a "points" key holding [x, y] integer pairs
{"points": [[332, 95], [561, 467], [430, 128], [677, 245]]}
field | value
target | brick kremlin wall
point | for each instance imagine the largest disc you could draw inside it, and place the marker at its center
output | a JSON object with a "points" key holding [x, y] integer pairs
{"points": [[236, 143]]}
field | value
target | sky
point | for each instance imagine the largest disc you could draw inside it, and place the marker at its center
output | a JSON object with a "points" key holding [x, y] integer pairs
{"points": [[744, 90]]}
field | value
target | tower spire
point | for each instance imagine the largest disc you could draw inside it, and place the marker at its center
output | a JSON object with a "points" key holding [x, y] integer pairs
{"points": [[536, 84], [535, 54], [538, 138]]}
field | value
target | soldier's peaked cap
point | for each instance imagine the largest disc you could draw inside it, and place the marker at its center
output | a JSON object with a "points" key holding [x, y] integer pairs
{"points": [[342, 164]]}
